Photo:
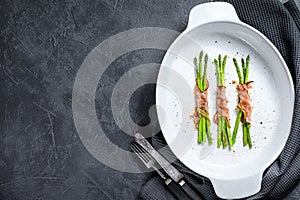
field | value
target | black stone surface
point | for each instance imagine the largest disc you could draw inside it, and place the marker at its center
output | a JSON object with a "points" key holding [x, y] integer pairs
{"points": [[42, 45]]}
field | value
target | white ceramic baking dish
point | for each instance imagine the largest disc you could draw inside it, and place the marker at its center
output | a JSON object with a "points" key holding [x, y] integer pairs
{"points": [[216, 29]]}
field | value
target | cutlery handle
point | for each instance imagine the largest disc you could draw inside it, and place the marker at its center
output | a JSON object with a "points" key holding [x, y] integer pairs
{"points": [[190, 191], [176, 190]]}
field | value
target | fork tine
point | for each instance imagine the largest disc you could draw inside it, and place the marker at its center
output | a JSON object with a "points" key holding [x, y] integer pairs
{"points": [[137, 150], [146, 154], [137, 147], [138, 154], [134, 148], [142, 151]]}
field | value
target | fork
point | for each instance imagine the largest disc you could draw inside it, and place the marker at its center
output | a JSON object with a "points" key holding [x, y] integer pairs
{"points": [[150, 162], [147, 159]]}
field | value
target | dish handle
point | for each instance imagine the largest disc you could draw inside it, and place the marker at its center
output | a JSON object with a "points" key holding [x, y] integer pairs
{"points": [[210, 12], [237, 188]]}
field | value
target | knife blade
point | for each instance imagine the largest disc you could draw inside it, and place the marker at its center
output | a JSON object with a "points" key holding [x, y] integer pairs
{"points": [[170, 170]]}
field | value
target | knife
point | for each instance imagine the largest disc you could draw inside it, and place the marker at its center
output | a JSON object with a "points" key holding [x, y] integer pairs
{"points": [[170, 170]]}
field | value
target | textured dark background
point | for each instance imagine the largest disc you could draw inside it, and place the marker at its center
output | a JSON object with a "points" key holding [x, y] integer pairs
{"points": [[43, 44]]}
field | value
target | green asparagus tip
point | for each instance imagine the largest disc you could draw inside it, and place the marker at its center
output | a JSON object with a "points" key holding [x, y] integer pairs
{"points": [[201, 55], [243, 67], [216, 62], [247, 61], [196, 62], [224, 61], [248, 57], [206, 58]]}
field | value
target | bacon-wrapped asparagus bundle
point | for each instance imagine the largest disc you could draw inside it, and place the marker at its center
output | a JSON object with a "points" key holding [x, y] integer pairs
{"points": [[201, 115], [244, 106], [222, 116]]}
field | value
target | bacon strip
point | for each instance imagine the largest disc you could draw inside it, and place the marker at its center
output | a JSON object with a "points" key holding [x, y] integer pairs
{"points": [[244, 100], [223, 110], [196, 118], [202, 104]]}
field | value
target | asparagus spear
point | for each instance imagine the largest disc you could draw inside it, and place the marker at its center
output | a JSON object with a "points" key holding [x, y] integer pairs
{"points": [[204, 123], [238, 119], [224, 135], [208, 132], [246, 81], [200, 136], [243, 78]]}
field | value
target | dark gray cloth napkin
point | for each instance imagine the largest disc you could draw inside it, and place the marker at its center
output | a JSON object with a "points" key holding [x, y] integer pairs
{"points": [[281, 24]]}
